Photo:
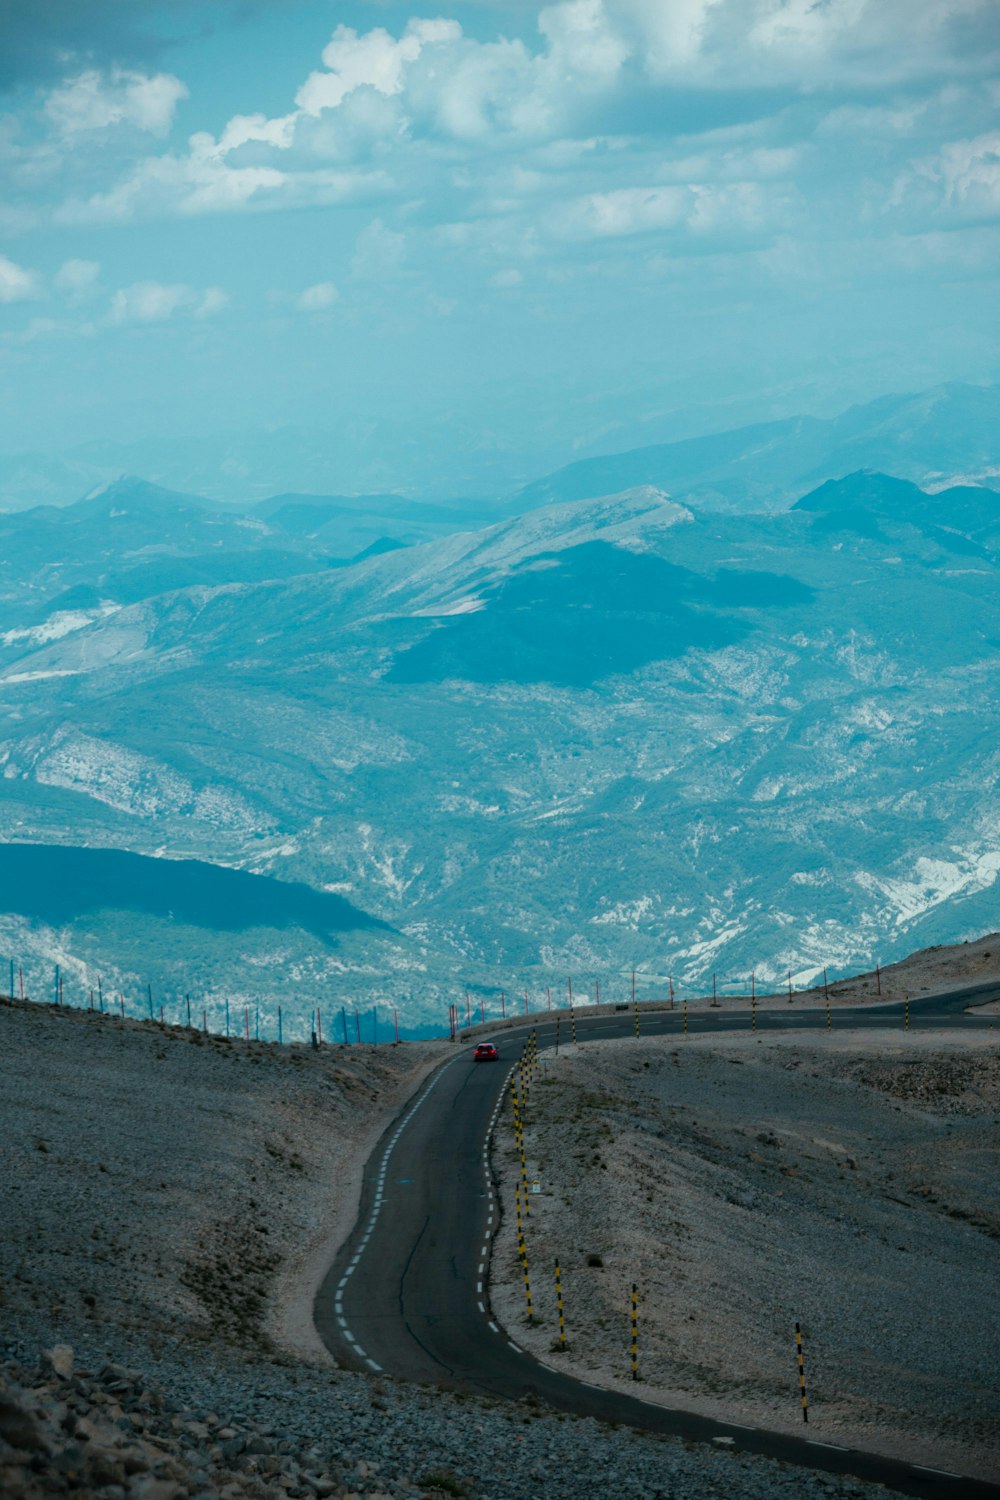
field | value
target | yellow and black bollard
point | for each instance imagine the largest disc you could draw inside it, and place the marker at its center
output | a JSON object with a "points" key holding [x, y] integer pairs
{"points": [[685, 1016], [635, 1332], [802, 1373], [527, 1283], [906, 1013], [637, 1018], [559, 1305], [753, 1012]]}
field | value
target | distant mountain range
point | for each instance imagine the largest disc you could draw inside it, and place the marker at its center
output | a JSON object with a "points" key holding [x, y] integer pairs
{"points": [[934, 437], [600, 733]]}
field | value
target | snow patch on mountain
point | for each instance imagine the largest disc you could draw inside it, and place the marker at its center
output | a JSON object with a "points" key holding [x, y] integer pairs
{"points": [[137, 784], [933, 882], [63, 622]]}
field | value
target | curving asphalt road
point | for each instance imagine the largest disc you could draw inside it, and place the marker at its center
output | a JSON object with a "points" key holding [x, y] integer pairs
{"points": [[407, 1294]]}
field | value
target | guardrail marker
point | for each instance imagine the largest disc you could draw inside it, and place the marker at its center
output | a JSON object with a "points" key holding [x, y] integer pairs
{"points": [[559, 1305], [802, 1373], [527, 1283], [635, 1332]]}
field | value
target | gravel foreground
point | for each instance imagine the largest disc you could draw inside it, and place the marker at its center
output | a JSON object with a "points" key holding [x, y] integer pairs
{"points": [[846, 1181], [151, 1276]]}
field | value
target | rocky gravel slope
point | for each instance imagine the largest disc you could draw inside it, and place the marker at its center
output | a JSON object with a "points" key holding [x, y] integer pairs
{"points": [[153, 1342], [845, 1181]]}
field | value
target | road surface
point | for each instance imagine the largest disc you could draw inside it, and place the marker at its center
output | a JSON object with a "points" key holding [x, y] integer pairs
{"points": [[408, 1293]]}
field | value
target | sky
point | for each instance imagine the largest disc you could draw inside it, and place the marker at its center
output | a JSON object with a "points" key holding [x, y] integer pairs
{"points": [[492, 238]]}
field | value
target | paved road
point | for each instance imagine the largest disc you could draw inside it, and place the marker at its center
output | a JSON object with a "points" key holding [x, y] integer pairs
{"points": [[407, 1294]]}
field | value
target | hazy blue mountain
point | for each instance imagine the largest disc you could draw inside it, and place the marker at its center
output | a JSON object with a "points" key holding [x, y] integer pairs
{"points": [[949, 432], [933, 437], [965, 518], [603, 733], [131, 540], [354, 524]]}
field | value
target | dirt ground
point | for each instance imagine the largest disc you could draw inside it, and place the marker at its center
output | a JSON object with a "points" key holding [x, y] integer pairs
{"points": [[846, 1182], [159, 1179]]}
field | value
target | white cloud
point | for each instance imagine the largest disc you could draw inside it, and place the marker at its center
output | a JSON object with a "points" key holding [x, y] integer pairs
{"points": [[202, 182], [511, 277], [156, 302], [757, 42], [375, 60], [970, 171], [415, 115], [95, 101], [379, 253], [629, 210], [317, 298], [16, 283], [963, 176], [76, 278]]}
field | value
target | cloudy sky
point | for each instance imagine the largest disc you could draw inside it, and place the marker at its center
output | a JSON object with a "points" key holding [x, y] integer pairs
{"points": [[540, 231]]}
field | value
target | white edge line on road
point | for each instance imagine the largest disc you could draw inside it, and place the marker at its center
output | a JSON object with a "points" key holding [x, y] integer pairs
{"points": [[494, 1327], [926, 1469], [377, 1204], [815, 1443]]}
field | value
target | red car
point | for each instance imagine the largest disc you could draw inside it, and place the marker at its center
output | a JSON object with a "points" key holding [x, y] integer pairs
{"points": [[486, 1052]]}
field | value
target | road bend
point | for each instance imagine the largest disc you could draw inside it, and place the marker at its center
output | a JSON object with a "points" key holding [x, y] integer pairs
{"points": [[408, 1293]]}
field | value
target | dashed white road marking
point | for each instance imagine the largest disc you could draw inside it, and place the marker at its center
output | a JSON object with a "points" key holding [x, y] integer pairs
{"points": [[373, 1216]]}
